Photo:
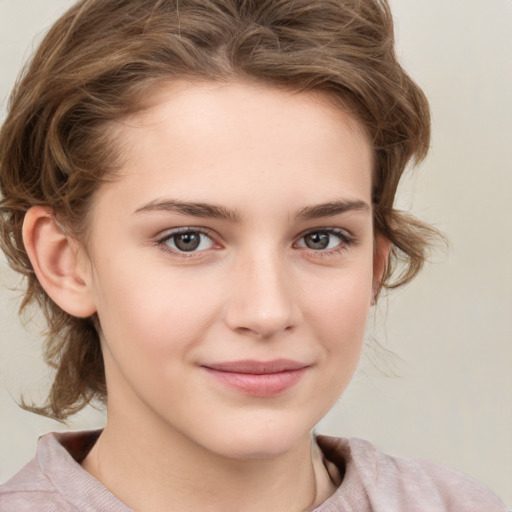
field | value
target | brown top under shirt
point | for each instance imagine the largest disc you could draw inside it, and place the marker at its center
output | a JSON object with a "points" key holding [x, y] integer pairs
{"points": [[373, 482]]}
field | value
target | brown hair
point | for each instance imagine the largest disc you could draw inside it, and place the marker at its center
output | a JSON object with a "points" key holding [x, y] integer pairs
{"points": [[103, 57]]}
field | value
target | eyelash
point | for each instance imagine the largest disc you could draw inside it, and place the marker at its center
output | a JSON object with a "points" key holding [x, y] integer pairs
{"points": [[346, 240], [162, 242]]}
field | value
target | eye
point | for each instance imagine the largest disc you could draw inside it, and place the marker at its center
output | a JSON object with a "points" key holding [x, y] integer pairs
{"points": [[188, 240], [325, 239]]}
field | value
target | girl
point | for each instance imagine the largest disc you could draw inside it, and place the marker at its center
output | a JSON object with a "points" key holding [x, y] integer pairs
{"points": [[200, 194]]}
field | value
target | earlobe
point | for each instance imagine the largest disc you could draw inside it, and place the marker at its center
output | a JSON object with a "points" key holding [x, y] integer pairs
{"points": [[56, 262], [380, 265]]}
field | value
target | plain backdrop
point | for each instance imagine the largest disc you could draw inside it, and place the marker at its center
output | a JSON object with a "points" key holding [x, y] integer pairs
{"points": [[440, 386]]}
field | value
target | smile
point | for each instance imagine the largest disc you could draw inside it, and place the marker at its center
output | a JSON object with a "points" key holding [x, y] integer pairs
{"points": [[257, 378]]}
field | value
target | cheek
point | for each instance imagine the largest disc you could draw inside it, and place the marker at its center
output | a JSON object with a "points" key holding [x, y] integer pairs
{"points": [[339, 304], [148, 340], [337, 315], [148, 315]]}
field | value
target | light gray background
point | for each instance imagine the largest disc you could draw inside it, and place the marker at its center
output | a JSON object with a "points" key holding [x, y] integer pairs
{"points": [[446, 394]]}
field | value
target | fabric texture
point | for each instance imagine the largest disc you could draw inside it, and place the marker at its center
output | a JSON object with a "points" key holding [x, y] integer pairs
{"points": [[54, 481]]}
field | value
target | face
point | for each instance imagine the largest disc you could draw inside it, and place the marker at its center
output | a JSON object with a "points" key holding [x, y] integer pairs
{"points": [[232, 265]]}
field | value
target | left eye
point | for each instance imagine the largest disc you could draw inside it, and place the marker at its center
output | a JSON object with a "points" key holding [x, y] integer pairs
{"points": [[321, 240], [189, 241]]}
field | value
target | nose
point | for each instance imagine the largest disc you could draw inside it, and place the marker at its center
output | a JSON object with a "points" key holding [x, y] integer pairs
{"points": [[263, 299]]}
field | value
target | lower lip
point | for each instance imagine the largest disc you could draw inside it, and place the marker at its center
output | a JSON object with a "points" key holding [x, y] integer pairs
{"points": [[260, 385]]}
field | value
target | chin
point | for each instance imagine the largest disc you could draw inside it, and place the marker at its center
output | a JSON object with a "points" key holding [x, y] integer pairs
{"points": [[267, 442]]}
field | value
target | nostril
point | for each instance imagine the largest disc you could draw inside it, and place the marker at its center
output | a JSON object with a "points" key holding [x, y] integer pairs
{"points": [[264, 332]]}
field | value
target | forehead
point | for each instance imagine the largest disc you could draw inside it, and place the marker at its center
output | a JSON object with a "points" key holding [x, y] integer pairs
{"points": [[238, 140]]}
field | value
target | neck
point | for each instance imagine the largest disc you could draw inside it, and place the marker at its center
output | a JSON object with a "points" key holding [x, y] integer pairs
{"points": [[155, 469]]}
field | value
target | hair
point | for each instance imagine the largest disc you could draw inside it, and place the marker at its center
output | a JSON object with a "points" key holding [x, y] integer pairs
{"points": [[102, 58]]}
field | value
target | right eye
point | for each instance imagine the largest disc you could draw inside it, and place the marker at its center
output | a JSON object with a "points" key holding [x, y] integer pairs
{"points": [[187, 240]]}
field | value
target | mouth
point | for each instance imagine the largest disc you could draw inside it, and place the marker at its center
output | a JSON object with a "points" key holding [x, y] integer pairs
{"points": [[258, 378]]}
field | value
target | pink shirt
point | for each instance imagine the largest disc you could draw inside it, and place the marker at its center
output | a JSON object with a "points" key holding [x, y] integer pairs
{"points": [[373, 482]]}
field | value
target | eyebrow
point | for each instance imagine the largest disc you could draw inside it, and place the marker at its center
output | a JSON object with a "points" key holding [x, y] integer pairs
{"points": [[193, 209], [220, 212], [331, 209]]}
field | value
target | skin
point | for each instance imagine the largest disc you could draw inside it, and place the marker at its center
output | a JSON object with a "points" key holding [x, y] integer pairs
{"points": [[264, 160]]}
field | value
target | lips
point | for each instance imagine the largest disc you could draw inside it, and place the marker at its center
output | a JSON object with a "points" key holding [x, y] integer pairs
{"points": [[258, 378]]}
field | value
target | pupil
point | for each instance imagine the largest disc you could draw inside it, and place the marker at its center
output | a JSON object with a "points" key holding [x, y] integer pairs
{"points": [[317, 240], [188, 241]]}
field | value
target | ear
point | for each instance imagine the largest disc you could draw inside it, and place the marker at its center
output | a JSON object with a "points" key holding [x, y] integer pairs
{"points": [[60, 265], [382, 247]]}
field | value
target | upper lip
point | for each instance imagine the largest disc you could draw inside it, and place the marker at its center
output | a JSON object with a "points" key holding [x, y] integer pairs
{"points": [[257, 367]]}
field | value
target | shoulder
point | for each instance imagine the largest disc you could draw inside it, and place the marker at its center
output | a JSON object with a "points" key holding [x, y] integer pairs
{"points": [[30, 489], [401, 483], [54, 481]]}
